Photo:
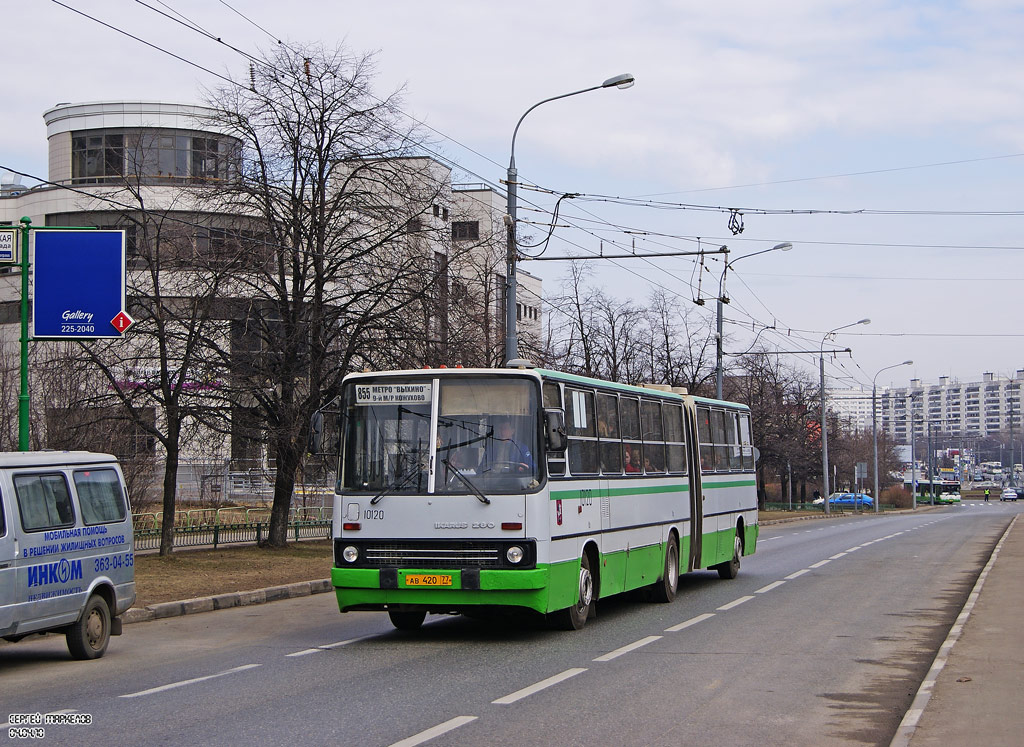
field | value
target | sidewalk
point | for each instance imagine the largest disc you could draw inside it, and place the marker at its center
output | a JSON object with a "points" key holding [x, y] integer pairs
{"points": [[975, 683]]}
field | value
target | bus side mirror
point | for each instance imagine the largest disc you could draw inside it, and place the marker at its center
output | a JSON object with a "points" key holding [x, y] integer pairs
{"points": [[316, 433], [554, 430]]}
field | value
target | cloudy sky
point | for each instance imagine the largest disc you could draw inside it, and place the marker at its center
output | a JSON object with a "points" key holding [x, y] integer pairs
{"points": [[885, 140]]}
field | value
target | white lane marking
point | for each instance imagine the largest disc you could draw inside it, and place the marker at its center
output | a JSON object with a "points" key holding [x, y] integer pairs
{"points": [[734, 603], [435, 731], [820, 563], [852, 549], [791, 576], [538, 686], [691, 621], [173, 685], [328, 646], [769, 587], [627, 648], [837, 556]]}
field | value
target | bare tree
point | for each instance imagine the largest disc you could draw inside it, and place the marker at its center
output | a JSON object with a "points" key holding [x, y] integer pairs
{"points": [[348, 234], [154, 386]]}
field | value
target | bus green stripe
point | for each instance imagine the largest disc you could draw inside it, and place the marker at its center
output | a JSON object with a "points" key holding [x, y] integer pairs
{"points": [[568, 495], [730, 484]]}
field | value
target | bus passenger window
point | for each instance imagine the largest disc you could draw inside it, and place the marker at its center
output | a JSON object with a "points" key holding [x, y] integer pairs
{"points": [[676, 447]]}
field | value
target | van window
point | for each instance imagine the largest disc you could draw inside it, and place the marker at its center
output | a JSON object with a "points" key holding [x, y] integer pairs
{"points": [[44, 501], [99, 495], [3, 525]]}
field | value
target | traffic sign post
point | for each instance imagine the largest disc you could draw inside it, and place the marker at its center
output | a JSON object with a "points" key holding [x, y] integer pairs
{"points": [[78, 284], [79, 292]]}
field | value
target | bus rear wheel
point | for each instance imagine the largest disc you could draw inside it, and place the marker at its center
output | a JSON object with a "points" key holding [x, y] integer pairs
{"points": [[575, 617], [407, 619]]}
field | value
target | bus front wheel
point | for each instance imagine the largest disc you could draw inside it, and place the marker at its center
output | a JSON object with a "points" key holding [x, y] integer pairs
{"points": [[575, 617], [664, 590], [407, 619], [731, 568]]}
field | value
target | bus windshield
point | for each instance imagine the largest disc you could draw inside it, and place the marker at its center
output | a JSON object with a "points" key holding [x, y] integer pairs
{"points": [[481, 440]]}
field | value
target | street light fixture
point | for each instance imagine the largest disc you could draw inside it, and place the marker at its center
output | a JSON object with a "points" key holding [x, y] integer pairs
{"points": [[874, 422], [723, 299], [625, 80], [824, 415]]}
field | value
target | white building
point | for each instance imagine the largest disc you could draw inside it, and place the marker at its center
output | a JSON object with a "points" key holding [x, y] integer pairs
{"points": [[165, 147], [969, 409]]}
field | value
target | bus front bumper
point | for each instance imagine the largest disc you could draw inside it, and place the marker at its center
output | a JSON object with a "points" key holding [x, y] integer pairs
{"points": [[376, 589]]}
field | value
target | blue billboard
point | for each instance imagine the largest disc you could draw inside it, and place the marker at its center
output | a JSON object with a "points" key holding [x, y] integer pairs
{"points": [[78, 280]]}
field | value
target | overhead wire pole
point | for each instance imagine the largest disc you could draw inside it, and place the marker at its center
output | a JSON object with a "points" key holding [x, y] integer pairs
{"points": [[824, 412], [874, 423], [722, 300], [624, 80]]}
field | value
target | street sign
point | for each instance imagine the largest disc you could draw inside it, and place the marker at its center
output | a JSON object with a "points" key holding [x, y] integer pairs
{"points": [[78, 280], [9, 245]]}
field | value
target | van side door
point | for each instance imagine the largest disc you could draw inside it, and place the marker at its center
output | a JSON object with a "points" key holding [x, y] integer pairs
{"points": [[8, 549]]}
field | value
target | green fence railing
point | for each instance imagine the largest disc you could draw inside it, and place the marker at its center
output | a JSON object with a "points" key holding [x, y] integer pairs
{"points": [[226, 526]]}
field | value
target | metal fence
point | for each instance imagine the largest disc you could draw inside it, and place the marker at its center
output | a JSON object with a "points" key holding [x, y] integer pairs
{"points": [[209, 527]]}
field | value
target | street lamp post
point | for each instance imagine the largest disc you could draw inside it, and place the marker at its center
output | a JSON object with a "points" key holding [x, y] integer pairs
{"points": [[511, 335], [824, 415], [874, 422], [722, 299]]}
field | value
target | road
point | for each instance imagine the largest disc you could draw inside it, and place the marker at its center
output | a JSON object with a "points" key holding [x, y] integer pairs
{"points": [[823, 639]]}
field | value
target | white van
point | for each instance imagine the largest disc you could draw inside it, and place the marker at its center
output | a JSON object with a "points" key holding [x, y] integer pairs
{"points": [[67, 561]]}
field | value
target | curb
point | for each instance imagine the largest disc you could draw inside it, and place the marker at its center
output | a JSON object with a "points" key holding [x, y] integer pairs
{"points": [[225, 601]]}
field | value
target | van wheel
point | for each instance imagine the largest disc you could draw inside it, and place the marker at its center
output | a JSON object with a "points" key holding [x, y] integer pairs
{"points": [[407, 619], [88, 637], [575, 617]]}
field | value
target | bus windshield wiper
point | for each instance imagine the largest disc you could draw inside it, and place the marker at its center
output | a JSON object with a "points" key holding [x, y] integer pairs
{"points": [[393, 486], [466, 481]]}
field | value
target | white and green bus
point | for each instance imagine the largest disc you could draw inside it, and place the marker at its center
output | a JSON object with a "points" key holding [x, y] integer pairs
{"points": [[468, 490]]}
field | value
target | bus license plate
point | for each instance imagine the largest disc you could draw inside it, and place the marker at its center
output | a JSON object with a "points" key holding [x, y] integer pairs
{"points": [[427, 579]]}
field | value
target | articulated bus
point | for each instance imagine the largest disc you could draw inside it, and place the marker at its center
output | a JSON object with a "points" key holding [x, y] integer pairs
{"points": [[466, 491]]}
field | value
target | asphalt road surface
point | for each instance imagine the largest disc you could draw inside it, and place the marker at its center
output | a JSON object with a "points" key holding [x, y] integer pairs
{"points": [[822, 639]]}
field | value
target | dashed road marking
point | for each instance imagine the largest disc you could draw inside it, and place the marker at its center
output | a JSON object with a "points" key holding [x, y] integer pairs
{"points": [[435, 731], [799, 573], [691, 621], [183, 683], [629, 647], [735, 603], [538, 686], [769, 587]]}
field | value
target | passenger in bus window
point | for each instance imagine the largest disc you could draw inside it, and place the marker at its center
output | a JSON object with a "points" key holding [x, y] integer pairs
{"points": [[632, 458]]}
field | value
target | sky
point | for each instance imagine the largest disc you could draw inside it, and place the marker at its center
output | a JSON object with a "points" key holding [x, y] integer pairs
{"points": [[884, 140]]}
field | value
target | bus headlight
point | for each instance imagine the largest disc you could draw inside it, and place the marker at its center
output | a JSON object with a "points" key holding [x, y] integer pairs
{"points": [[350, 554], [514, 554]]}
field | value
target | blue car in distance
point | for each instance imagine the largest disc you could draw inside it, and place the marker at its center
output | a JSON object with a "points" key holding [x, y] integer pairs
{"points": [[850, 499]]}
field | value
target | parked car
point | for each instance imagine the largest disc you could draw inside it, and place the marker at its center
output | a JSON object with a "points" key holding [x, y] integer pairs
{"points": [[1008, 494], [850, 499]]}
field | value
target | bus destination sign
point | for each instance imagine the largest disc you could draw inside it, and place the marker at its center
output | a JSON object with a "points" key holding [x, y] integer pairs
{"points": [[393, 394]]}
